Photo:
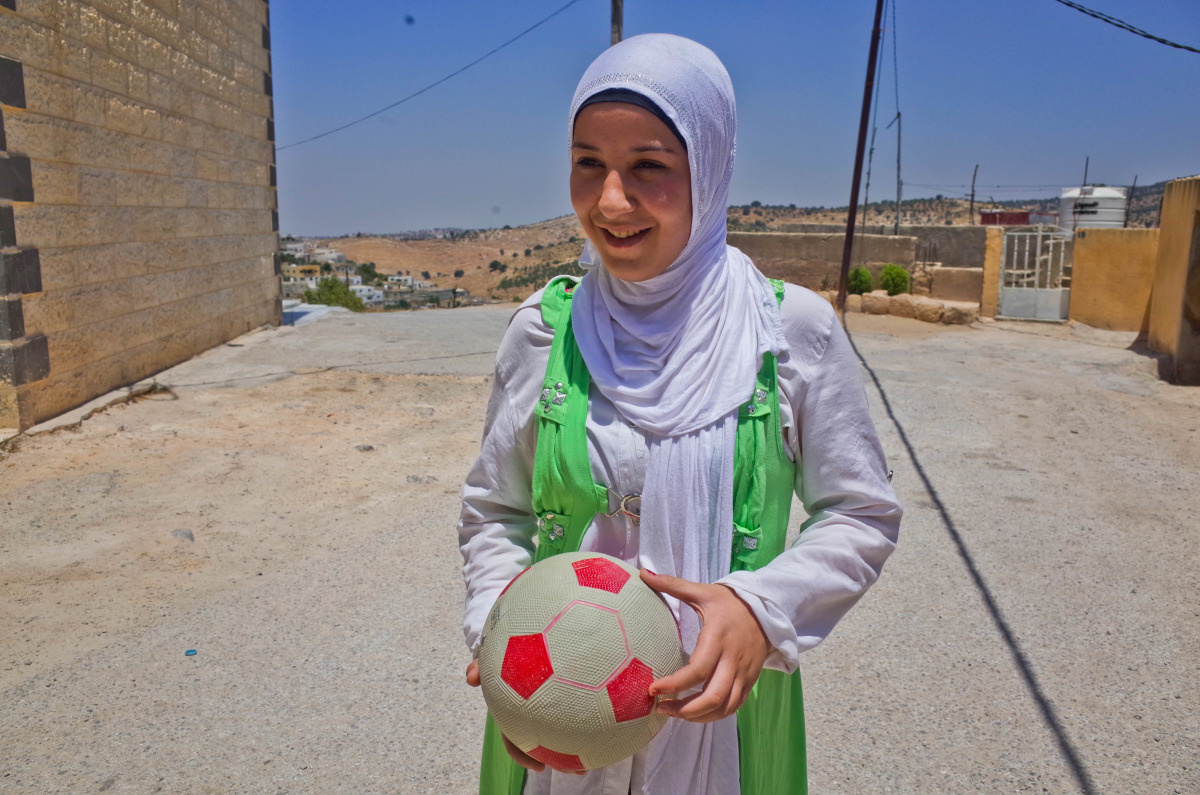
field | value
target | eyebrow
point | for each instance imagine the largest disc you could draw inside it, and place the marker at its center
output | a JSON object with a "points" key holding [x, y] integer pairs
{"points": [[639, 149]]}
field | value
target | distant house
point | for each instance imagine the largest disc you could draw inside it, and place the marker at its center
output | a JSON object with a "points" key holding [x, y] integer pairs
{"points": [[300, 250], [371, 296], [397, 278], [301, 271], [330, 255]]}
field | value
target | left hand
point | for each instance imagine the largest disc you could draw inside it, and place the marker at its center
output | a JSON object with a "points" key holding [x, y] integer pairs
{"points": [[729, 654]]}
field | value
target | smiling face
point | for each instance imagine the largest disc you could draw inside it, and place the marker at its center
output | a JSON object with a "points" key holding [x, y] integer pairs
{"points": [[631, 188]]}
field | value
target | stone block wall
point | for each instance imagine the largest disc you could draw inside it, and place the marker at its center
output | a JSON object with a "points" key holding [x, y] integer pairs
{"points": [[952, 246], [815, 260], [138, 216]]}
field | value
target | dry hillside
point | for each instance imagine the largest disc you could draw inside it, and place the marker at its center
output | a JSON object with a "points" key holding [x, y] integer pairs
{"points": [[525, 251]]}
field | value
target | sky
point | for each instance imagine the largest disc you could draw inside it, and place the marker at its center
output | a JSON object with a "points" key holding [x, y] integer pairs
{"points": [[1026, 89]]}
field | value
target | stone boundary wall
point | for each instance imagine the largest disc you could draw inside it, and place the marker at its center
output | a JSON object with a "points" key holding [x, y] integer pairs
{"points": [[952, 246], [138, 214], [810, 259]]}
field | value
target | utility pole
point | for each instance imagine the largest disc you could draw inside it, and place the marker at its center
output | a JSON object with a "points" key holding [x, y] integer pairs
{"points": [[864, 119], [1087, 161], [617, 19], [971, 211], [899, 182], [1129, 202]]}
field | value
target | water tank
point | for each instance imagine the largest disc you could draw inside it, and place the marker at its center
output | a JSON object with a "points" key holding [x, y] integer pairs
{"points": [[1091, 206]]}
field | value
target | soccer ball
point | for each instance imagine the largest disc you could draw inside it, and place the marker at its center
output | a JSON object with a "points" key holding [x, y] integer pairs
{"points": [[568, 653]]}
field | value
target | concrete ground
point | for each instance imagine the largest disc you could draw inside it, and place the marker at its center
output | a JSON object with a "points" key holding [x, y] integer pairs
{"points": [[284, 505]]}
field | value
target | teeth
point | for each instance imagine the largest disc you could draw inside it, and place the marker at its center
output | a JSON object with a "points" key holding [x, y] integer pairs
{"points": [[623, 235]]}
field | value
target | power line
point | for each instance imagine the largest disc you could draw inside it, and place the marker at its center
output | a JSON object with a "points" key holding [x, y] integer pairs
{"points": [[436, 83], [1125, 25]]}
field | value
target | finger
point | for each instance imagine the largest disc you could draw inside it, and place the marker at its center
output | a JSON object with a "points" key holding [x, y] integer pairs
{"points": [[701, 664], [712, 703], [521, 758], [681, 589], [473, 674], [694, 674]]}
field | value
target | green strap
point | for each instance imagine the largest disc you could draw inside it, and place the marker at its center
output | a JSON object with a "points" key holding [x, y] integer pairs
{"points": [[565, 497]]}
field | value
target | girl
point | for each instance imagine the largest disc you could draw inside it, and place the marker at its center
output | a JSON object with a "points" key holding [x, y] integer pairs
{"points": [[664, 411]]}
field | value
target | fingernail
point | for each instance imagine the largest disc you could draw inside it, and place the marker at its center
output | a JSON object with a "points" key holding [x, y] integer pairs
{"points": [[652, 571]]}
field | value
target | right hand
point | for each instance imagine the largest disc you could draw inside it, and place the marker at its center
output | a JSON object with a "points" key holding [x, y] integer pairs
{"points": [[520, 757]]}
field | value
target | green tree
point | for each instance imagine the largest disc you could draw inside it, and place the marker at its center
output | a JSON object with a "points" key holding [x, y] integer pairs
{"points": [[458, 274], [894, 279], [859, 281], [333, 292], [367, 272]]}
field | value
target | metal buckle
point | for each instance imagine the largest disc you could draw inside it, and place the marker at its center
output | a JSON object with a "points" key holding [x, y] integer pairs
{"points": [[628, 504]]}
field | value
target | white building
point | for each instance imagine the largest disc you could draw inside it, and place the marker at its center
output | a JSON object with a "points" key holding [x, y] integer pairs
{"points": [[330, 255], [301, 249], [371, 296], [396, 278]]}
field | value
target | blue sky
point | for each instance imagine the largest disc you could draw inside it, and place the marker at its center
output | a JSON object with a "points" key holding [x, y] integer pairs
{"points": [[1026, 88]]}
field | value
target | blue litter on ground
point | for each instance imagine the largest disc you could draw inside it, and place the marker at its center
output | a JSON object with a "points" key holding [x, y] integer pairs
{"points": [[190, 652]]}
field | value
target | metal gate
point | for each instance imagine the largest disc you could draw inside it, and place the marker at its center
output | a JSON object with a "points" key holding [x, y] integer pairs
{"points": [[1035, 275]]}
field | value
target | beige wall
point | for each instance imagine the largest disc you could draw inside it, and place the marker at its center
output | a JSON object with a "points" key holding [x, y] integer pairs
{"points": [[956, 284], [1174, 323], [989, 304], [148, 128], [807, 259], [1111, 277]]}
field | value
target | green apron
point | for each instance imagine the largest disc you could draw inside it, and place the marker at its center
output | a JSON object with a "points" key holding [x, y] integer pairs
{"points": [[770, 723]]}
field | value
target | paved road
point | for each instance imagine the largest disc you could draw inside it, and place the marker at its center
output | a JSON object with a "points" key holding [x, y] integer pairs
{"points": [[1036, 630]]}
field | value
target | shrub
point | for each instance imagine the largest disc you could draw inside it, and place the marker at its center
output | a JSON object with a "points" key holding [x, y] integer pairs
{"points": [[332, 292], [894, 279], [859, 281]]}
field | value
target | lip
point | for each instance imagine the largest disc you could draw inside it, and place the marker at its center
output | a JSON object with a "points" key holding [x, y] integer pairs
{"points": [[624, 242]]}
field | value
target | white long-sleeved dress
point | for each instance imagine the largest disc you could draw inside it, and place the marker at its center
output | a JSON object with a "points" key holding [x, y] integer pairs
{"points": [[841, 478]]}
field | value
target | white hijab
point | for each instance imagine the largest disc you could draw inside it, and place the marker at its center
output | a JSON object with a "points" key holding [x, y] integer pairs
{"points": [[677, 354]]}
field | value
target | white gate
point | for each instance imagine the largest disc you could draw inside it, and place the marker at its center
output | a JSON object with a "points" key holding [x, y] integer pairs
{"points": [[1035, 277]]}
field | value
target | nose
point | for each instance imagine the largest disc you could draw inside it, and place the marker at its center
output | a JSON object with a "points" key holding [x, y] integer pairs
{"points": [[614, 199]]}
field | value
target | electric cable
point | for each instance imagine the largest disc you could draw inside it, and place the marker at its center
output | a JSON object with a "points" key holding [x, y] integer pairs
{"points": [[1123, 25], [435, 83]]}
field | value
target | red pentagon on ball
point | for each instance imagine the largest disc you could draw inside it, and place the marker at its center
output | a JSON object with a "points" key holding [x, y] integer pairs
{"points": [[600, 573], [564, 762], [629, 691], [526, 664]]}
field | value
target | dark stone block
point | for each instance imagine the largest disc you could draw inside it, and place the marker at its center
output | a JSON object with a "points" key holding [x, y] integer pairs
{"points": [[9, 4], [272, 175], [3, 140], [274, 220], [12, 319], [12, 83], [270, 129], [267, 84], [266, 33], [25, 361], [16, 178], [32, 360], [8, 228], [278, 258], [20, 272]]}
